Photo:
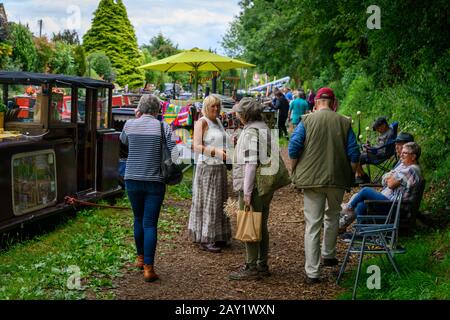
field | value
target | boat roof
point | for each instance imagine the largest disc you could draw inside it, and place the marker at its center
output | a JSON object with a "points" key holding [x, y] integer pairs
{"points": [[21, 77]]}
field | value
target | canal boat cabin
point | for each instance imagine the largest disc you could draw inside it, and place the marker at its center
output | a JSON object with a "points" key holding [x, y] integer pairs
{"points": [[56, 140]]}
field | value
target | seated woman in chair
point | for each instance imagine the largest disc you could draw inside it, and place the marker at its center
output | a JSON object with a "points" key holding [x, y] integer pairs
{"points": [[402, 178]]}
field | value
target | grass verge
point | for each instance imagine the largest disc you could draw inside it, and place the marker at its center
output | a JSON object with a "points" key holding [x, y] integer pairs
{"points": [[425, 272], [93, 247]]}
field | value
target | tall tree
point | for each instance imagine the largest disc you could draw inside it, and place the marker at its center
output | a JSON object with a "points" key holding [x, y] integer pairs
{"points": [[24, 53], [158, 48], [112, 33], [5, 54], [79, 57], [161, 47], [45, 51], [62, 60], [68, 36]]}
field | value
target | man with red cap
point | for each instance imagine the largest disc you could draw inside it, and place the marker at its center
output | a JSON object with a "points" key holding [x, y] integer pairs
{"points": [[324, 154]]}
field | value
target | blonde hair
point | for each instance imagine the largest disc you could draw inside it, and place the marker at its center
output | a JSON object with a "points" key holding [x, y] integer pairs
{"points": [[208, 102]]}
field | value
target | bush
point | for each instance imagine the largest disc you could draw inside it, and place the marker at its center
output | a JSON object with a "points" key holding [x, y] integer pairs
{"points": [[2, 107], [62, 60], [24, 52], [101, 64]]}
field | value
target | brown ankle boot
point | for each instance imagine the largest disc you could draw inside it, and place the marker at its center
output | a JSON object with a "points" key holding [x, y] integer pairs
{"points": [[139, 262], [149, 273]]}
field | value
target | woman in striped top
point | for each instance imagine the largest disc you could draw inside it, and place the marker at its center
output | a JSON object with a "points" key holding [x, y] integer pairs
{"points": [[143, 181]]}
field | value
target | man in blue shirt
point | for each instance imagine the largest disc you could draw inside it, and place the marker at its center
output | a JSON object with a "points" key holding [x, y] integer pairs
{"points": [[324, 154], [288, 94]]}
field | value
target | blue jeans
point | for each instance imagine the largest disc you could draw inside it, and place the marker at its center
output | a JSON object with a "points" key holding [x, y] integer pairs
{"points": [[365, 194], [146, 198]]}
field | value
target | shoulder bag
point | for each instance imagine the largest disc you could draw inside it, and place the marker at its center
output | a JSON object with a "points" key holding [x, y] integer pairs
{"points": [[170, 171], [274, 180]]}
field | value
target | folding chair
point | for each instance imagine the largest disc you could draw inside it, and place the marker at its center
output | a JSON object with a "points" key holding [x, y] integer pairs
{"points": [[375, 238], [409, 209], [385, 163]]}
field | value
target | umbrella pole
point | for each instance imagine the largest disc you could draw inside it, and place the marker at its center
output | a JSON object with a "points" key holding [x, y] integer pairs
{"points": [[196, 83]]}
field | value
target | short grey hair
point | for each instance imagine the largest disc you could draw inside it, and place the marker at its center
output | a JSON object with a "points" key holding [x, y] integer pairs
{"points": [[414, 148], [149, 104], [250, 109]]}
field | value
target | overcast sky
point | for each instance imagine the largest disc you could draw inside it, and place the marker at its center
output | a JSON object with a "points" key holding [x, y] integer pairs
{"points": [[188, 23]]}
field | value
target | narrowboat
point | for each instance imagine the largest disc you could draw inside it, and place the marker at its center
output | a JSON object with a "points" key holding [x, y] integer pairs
{"points": [[57, 140]]}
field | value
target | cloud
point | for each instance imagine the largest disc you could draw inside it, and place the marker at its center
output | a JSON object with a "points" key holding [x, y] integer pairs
{"points": [[186, 27], [192, 18], [188, 23]]}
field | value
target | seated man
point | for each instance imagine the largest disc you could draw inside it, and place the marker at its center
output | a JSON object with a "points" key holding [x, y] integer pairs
{"points": [[403, 178], [386, 135]]}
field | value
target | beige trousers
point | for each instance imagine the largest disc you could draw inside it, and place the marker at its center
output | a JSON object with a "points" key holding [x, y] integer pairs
{"points": [[321, 205]]}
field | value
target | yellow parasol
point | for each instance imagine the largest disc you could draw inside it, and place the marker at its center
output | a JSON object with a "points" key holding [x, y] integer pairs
{"points": [[196, 60]]}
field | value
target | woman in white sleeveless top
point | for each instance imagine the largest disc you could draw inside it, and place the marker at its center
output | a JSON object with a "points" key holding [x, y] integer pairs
{"points": [[208, 223]]}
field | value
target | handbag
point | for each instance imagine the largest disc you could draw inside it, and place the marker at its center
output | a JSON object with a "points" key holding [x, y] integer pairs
{"points": [[170, 171], [274, 180], [248, 225]]}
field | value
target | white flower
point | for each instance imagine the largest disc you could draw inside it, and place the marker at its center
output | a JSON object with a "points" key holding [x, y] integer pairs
{"points": [[358, 113], [360, 137], [367, 128]]}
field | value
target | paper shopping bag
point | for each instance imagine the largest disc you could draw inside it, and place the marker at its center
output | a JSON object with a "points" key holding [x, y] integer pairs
{"points": [[248, 226]]}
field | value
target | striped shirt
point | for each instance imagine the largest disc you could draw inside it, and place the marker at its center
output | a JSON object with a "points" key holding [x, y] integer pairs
{"points": [[143, 137]]}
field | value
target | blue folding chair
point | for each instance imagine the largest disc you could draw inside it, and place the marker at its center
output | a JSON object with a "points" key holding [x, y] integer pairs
{"points": [[387, 161], [378, 235]]}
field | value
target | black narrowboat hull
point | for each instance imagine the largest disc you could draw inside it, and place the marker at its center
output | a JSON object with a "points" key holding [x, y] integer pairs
{"points": [[66, 180]]}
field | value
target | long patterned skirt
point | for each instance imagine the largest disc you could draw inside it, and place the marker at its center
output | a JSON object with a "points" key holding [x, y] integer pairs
{"points": [[207, 221]]}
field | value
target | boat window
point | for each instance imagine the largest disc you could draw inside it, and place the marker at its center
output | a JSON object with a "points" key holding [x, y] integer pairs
{"points": [[102, 108], [33, 180], [61, 105], [21, 103], [81, 105]]}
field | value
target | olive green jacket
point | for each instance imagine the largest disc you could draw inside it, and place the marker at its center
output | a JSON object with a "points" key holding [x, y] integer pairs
{"points": [[324, 161]]}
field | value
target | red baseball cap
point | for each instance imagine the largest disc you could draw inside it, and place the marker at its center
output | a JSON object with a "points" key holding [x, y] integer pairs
{"points": [[325, 93]]}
